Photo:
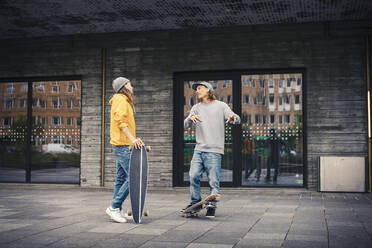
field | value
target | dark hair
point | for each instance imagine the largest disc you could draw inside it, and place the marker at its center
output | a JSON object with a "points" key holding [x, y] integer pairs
{"points": [[211, 96]]}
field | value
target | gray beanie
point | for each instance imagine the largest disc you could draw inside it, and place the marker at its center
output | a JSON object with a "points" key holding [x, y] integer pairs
{"points": [[119, 83]]}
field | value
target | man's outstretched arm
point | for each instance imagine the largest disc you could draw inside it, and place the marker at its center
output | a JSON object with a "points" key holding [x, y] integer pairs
{"points": [[230, 116]]}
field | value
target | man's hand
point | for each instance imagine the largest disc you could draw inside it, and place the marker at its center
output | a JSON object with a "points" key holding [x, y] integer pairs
{"points": [[195, 118], [232, 118], [138, 143]]}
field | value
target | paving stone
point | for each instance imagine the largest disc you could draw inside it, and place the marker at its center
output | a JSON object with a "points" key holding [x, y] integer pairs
{"points": [[220, 237], [123, 241], [11, 226], [279, 236], [179, 236], [309, 237], [304, 244], [112, 228], [198, 245], [258, 243], [154, 244], [345, 242], [47, 221]]}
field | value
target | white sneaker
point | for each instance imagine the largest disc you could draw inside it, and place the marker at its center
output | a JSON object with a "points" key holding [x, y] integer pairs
{"points": [[115, 215]]}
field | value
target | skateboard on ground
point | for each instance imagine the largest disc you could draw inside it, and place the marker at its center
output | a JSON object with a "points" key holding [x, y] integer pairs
{"points": [[138, 172], [193, 210]]}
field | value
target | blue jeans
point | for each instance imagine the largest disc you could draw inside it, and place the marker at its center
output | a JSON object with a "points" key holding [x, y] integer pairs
{"points": [[209, 162], [121, 189]]}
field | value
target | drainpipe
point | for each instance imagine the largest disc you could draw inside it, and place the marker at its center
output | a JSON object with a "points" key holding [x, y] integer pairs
{"points": [[369, 111], [103, 118]]}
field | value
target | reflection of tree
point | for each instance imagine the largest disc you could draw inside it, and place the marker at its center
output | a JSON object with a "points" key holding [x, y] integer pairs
{"points": [[19, 132]]}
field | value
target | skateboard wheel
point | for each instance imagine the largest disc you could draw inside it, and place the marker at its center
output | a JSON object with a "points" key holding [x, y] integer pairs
{"points": [[129, 212], [146, 212]]}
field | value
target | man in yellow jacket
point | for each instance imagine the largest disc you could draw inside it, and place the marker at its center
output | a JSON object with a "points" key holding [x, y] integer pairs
{"points": [[123, 135]]}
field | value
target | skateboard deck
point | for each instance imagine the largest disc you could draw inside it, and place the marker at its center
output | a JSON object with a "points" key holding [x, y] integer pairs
{"points": [[138, 172], [194, 209]]}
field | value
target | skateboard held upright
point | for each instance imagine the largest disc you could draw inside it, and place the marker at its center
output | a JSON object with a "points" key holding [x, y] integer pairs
{"points": [[138, 172]]}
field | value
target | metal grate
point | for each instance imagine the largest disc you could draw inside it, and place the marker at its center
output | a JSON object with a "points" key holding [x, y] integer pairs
{"points": [[61, 17]]}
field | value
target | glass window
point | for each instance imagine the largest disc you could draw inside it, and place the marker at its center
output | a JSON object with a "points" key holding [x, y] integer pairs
{"points": [[252, 83], [257, 119], [70, 103], [287, 119], [271, 99], [7, 121], [56, 120], [297, 99], [70, 140], [299, 81], [289, 80], [249, 119], [246, 97], [71, 88], [10, 88], [8, 103], [271, 83], [56, 102], [287, 99], [40, 87], [262, 83], [56, 139], [70, 121], [24, 87], [272, 119], [255, 100], [55, 87], [272, 150], [42, 103]]}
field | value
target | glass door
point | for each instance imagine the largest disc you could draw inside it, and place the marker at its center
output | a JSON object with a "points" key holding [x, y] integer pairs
{"points": [[267, 148], [13, 131], [272, 134], [40, 131], [55, 136]]}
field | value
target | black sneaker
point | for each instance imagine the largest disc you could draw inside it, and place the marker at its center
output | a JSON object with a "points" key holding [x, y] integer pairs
{"points": [[195, 209], [210, 213]]}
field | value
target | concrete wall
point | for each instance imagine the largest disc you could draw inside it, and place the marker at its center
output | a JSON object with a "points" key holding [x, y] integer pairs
{"points": [[333, 55]]}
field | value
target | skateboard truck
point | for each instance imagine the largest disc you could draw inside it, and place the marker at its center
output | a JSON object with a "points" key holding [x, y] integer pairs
{"points": [[146, 212]]}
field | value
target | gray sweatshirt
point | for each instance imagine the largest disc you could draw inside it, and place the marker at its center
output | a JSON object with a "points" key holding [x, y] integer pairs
{"points": [[210, 133]]}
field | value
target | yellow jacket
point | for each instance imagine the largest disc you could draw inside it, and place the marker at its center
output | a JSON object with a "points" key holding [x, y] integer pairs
{"points": [[121, 116]]}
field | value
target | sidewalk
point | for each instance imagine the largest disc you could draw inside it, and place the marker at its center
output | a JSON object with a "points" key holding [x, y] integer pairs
{"points": [[69, 216]]}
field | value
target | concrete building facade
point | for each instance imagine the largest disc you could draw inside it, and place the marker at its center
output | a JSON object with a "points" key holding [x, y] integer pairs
{"points": [[332, 57]]}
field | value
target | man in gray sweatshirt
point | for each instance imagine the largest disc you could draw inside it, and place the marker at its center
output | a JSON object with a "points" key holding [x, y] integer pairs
{"points": [[209, 117]]}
